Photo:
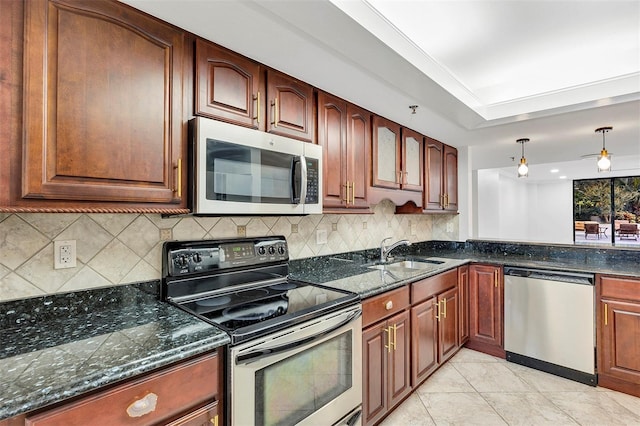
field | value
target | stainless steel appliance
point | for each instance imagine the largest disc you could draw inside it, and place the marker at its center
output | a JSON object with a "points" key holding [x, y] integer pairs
{"points": [[245, 171], [549, 322], [296, 349]]}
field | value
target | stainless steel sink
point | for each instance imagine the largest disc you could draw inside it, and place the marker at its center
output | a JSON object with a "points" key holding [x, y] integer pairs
{"points": [[407, 265]]}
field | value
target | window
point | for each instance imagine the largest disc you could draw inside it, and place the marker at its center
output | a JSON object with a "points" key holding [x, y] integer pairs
{"points": [[607, 211]]}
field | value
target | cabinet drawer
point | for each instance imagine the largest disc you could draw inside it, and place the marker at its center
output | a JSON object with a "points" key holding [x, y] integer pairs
{"points": [[384, 305], [423, 289], [175, 390], [620, 288]]}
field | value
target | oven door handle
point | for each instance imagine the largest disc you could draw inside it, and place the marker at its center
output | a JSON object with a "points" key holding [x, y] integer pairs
{"points": [[267, 352]]}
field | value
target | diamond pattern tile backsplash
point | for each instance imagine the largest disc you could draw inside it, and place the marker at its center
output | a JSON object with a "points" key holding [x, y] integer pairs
{"points": [[115, 249]]}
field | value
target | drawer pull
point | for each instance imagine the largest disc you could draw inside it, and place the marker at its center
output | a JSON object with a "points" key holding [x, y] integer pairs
{"points": [[143, 406], [388, 305]]}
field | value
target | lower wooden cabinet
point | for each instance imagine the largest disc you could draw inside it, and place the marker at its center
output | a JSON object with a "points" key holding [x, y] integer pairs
{"points": [[618, 333], [386, 353], [188, 393], [463, 304], [486, 309], [434, 323]]}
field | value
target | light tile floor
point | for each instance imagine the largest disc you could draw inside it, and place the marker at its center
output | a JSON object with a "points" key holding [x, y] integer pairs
{"points": [[478, 389]]}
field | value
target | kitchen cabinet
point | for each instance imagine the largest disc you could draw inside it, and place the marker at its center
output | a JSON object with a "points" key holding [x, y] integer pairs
{"points": [[463, 305], [103, 95], [229, 87], [486, 309], [386, 353], [434, 323], [232, 88], [618, 333], [345, 135], [397, 164], [441, 177], [187, 393]]}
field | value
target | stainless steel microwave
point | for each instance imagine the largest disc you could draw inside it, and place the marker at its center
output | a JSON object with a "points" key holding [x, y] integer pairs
{"points": [[238, 170]]}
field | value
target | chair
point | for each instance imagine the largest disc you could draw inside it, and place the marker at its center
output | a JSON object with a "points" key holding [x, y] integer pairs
{"points": [[591, 228], [628, 230]]}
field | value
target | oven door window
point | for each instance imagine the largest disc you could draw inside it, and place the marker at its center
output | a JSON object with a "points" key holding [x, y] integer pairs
{"points": [[292, 389], [246, 174]]}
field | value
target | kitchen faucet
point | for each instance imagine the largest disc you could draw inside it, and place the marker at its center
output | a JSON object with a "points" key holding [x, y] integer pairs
{"points": [[384, 250]]}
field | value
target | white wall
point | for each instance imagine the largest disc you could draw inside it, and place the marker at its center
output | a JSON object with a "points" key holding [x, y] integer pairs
{"points": [[516, 209]]}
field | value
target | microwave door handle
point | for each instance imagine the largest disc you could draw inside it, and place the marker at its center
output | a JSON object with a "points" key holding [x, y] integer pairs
{"points": [[303, 180], [267, 352]]}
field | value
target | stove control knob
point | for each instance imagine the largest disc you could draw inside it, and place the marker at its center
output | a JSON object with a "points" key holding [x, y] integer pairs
{"points": [[181, 261], [281, 250], [197, 258], [272, 250], [261, 250]]}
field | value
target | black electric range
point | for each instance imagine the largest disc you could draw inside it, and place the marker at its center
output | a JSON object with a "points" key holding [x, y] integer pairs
{"points": [[242, 286]]}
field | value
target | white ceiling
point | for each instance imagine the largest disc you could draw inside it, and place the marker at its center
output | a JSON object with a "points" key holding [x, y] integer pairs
{"points": [[483, 73]]}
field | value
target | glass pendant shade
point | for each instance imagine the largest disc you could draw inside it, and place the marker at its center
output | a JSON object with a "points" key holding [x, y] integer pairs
{"points": [[604, 159]]}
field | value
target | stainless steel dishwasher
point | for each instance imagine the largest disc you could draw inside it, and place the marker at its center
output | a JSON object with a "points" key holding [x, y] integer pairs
{"points": [[549, 322]]}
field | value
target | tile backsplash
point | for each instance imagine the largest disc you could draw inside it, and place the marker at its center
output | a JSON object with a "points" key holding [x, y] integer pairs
{"points": [[117, 249]]}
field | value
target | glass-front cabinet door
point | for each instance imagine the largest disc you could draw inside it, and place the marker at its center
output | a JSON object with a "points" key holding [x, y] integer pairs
{"points": [[412, 160], [386, 154]]}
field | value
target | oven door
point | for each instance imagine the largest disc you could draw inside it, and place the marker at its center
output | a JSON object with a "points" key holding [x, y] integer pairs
{"points": [[311, 375]]}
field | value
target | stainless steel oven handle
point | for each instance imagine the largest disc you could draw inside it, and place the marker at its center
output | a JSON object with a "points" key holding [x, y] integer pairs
{"points": [[303, 184], [267, 352]]}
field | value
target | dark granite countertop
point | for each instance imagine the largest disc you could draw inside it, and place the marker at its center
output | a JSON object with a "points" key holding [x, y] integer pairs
{"points": [[348, 271], [60, 346]]}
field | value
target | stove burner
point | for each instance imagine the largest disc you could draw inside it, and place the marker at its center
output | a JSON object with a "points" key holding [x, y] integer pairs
{"points": [[252, 293], [284, 286], [214, 301], [249, 312]]}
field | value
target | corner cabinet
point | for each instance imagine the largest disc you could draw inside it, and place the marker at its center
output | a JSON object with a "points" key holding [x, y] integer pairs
{"points": [[345, 136], [486, 309], [434, 323], [188, 393], [385, 353], [103, 109], [618, 333], [441, 177]]}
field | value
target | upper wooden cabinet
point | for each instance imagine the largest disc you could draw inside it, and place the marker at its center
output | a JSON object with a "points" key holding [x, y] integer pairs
{"points": [[103, 109], [344, 133], [232, 88], [229, 87], [412, 174], [441, 176]]}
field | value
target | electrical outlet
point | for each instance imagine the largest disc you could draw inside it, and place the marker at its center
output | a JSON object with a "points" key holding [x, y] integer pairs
{"points": [[449, 227], [64, 254], [334, 226], [321, 236], [241, 231]]}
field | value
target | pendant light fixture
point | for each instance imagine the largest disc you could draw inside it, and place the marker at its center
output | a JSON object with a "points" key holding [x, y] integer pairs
{"points": [[604, 160], [523, 169]]}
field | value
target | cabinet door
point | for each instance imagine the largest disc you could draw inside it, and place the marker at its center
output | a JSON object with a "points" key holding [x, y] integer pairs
{"points": [[450, 178], [620, 341], [399, 358], [463, 304], [207, 415], [433, 194], [486, 309], [374, 369], [412, 160], [103, 92], [424, 340], [448, 325], [332, 135], [228, 86], [358, 154], [386, 153], [290, 107]]}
